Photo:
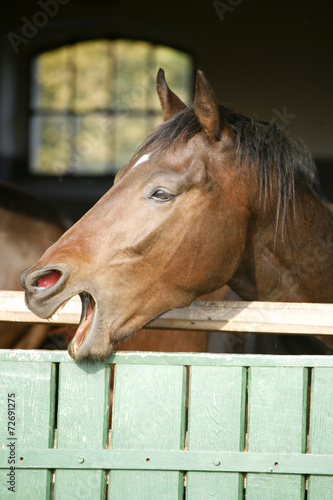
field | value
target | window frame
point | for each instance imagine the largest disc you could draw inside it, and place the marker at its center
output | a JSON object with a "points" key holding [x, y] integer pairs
{"points": [[74, 195], [108, 112]]}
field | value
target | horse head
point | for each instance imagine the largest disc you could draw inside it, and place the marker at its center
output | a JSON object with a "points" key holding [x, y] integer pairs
{"points": [[172, 228]]}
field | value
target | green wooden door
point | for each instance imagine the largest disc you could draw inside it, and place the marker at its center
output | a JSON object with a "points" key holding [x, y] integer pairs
{"points": [[82, 423], [277, 404], [216, 423], [321, 429], [31, 387], [242, 436], [148, 414]]}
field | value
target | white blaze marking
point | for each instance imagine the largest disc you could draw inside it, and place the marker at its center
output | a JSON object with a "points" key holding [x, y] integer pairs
{"points": [[141, 160]]}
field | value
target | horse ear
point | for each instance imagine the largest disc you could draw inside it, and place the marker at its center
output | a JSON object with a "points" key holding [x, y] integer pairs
{"points": [[206, 107], [171, 104]]}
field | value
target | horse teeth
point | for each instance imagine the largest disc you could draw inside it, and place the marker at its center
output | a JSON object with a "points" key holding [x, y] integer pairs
{"points": [[55, 316]]}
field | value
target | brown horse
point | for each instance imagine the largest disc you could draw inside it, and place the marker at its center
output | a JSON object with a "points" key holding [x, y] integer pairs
{"points": [[212, 197], [27, 228]]}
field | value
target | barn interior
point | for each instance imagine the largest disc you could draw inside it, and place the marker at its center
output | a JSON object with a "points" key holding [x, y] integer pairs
{"points": [[268, 59]]}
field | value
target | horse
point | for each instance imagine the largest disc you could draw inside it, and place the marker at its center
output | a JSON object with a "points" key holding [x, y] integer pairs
{"points": [[212, 197], [27, 228]]}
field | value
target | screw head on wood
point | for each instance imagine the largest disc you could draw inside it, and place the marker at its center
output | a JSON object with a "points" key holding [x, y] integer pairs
{"points": [[80, 460]]}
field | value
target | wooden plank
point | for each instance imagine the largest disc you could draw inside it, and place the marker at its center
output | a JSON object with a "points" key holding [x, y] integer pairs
{"points": [[83, 400], [148, 413], [260, 317], [216, 422], [13, 308], [277, 403], [321, 429], [173, 460], [182, 358], [31, 387]]}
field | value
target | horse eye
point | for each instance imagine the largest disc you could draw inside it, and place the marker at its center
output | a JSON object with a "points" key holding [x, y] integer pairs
{"points": [[161, 195]]}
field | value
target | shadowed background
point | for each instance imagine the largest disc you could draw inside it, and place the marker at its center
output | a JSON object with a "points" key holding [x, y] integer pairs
{"points": [[269, 59]]}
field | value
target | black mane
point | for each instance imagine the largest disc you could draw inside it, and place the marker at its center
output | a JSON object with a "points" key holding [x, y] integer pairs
{"points": [[265, 147]]}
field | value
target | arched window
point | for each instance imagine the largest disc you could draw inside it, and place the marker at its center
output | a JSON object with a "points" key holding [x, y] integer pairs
{"points": [[93, 102]]}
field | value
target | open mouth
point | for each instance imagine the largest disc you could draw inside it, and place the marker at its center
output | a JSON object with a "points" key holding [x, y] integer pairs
{"points": [[48, 289], [87, 314], [88, 308]]}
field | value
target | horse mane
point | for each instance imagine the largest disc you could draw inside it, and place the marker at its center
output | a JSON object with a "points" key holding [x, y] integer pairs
{"points": [[266, 148]]}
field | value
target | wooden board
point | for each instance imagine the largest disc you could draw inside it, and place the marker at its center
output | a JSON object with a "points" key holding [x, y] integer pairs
{"points": [[277, 408], [259, 317], [321, 429], [148, 414], [82, 422], [31, 387], [216, 422]]}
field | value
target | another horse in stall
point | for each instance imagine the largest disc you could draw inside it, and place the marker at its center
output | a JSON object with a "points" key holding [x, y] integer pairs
{"points": [[27, 228], [211, 198]]}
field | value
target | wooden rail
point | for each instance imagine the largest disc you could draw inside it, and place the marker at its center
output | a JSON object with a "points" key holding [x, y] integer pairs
{"points": [[259, 317]]}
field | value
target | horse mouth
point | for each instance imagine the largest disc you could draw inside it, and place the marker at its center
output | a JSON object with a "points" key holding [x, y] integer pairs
{"points": [[87, 314], [91, 339], [48, 289], [86, 319]]}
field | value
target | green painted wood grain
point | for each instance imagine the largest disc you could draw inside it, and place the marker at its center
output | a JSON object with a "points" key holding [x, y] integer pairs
{"points": [[167, 358], [184, 460], [148, 413], [83, 400], [277, 403], [321, 429], [33, 386], [216, 422]]}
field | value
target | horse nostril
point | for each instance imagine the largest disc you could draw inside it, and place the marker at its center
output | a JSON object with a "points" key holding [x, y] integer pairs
{"points": [[46, 280], [49, 279]]}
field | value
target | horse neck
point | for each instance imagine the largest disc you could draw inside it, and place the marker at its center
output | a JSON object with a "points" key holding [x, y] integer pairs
{"points": [[293, 265]]}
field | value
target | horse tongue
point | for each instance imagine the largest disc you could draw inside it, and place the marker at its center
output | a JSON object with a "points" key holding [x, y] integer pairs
{"points": [[49, 279]]}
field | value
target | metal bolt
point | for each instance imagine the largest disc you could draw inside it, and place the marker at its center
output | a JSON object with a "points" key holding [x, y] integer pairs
{"points": [[80, 460], [217, 462]]}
